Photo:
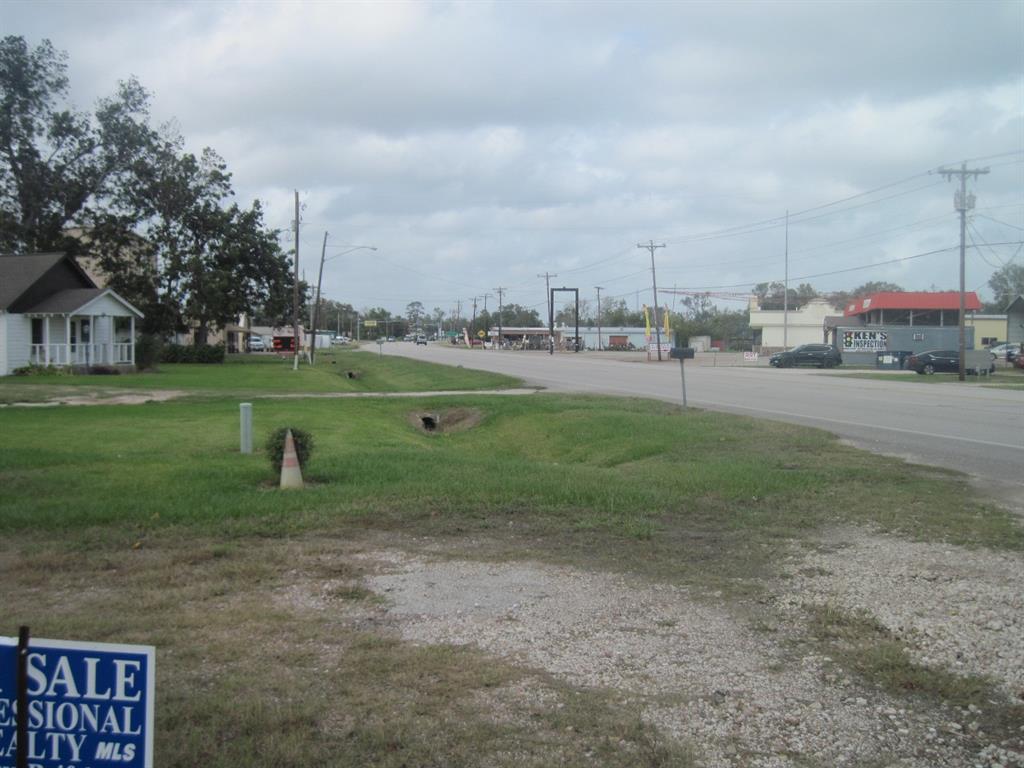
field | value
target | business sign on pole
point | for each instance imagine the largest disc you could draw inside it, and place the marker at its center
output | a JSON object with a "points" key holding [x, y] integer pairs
{"points": [[864, 341], [369, 323], [89, 704]]}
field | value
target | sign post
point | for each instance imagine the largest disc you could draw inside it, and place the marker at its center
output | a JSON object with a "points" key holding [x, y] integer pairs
{"points": [[67, 703], [682, 354]]}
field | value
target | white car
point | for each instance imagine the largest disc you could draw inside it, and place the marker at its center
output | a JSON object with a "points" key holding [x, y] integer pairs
{"points": [[1000, 350], [256, 344]]}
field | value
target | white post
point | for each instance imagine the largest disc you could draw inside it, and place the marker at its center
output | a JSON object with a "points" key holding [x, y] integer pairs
{"points": [[90, 352], [67, 338], [46, 341], [246, 427], [131, 337]]}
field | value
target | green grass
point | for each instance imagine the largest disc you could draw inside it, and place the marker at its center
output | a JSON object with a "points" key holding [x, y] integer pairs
{"points": [[145, 524], [605, 479], [253, 375], [1004, 378]]}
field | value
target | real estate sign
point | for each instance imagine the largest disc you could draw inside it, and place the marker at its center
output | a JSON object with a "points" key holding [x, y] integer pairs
{"points": [[854, 340], [89, 704]]}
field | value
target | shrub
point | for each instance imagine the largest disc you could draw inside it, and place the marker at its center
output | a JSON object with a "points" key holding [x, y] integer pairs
{"points": [[148, 349], [275, 446], [200, 353], [41, 370]]}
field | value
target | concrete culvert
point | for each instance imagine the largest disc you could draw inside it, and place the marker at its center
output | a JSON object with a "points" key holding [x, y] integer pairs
{"points": [[446, 421]]}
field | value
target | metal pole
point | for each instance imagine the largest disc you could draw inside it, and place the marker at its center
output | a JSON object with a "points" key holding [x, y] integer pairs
{"points": [[682, 375], [598, 317], [295, 290], [576, 341], [21, 727]]}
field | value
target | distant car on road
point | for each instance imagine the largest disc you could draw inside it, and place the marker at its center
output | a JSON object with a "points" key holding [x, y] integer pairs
{"points": [[421, 339], [256, 344], [339, 341], [941, 361], [821, 355]]}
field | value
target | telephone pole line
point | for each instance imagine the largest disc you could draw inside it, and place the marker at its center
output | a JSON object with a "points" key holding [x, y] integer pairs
{"points": [[654, 280], [599, 289], [785, 292], [472, 325], [501, 293], [962, 202], [295, 289]]}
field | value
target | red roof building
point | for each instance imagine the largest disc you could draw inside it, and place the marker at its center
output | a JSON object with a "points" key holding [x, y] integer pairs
{"points": [[911, 307]]}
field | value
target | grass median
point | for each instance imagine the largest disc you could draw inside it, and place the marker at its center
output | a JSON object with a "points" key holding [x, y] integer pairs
{"points": [[337, 371]]}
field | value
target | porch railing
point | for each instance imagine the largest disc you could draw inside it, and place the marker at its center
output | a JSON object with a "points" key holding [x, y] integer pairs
{"points": [[81, 354]]}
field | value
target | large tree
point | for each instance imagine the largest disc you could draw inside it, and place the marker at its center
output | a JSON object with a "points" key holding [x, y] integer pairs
{"points": [[158, 221], [840, 298], [58, 165], [1007, 283]]}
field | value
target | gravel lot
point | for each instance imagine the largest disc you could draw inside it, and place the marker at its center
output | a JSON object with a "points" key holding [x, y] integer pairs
{"points": [[740, 681]]}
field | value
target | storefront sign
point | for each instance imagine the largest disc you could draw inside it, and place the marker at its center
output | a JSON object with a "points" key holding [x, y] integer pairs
{"points": [[89, 704], [864, 341]]}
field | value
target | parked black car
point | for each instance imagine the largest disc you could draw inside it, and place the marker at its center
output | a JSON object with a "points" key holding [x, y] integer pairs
{"points": [[940, 361], [821, 355]]}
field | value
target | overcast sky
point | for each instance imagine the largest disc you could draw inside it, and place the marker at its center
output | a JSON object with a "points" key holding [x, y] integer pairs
{"points": [[480, 144]]}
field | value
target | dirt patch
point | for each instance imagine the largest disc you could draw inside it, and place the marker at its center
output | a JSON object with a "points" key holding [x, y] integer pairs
{"points": [[750, 694], [446, 420], [121, 397]]}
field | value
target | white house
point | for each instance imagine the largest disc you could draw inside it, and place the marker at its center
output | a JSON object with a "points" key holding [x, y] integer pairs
{"points": [[52, 313], [776, 329]]}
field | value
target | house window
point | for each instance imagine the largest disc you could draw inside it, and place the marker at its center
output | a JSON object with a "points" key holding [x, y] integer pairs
{"points": [[37, 330]]}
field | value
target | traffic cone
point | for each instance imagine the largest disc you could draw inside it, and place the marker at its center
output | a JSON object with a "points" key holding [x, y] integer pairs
{"points": [[291, 473]]}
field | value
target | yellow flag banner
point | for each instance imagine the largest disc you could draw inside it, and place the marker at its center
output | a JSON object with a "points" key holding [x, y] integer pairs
{"points": [[647, 322]]}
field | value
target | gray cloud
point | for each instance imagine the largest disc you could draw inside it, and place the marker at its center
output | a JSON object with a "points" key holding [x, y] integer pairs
{"points": [[478, 144]]}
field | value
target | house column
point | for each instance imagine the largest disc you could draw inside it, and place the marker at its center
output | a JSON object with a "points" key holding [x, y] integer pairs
{"points": [[46, 341], [131, 338], [90, 351], [67, 339]]}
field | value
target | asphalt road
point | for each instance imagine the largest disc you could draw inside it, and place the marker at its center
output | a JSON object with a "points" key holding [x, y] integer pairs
{"points": [[964, 427]]}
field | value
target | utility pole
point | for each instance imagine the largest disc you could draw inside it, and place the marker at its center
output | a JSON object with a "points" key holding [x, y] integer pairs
{"points": [[295, 290], [551, 316], [654, 279], [598, 317], [472, 325], [785, 292], [963, 202], [316, 307], [501, 293]]}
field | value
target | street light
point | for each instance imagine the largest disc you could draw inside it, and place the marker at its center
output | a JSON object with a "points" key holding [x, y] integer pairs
{"points": [[319, 280]]}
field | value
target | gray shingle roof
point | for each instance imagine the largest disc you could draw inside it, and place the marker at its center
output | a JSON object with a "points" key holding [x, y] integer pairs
{"points": [[64, 302], [19, 273]]}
